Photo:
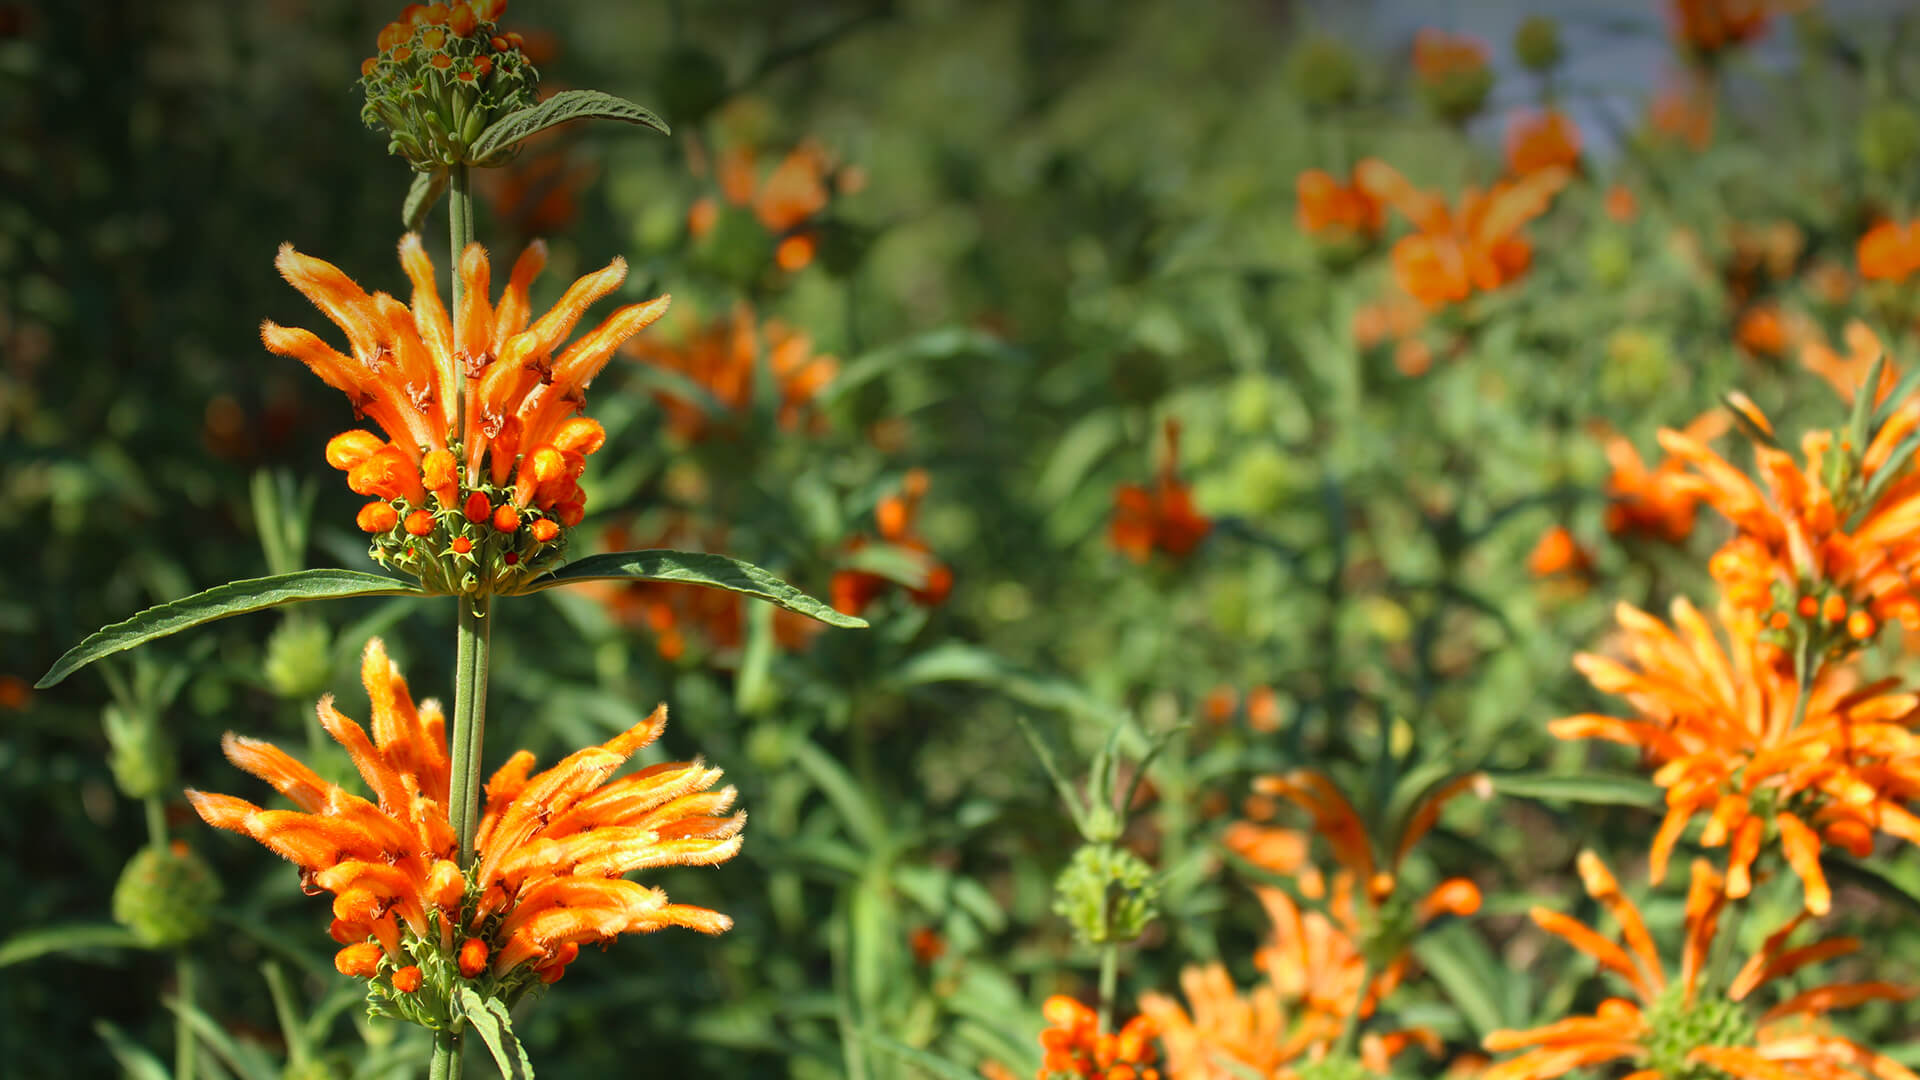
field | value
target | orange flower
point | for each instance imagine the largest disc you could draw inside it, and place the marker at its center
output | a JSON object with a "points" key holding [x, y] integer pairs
{"points": [[1558, 553], [1800, 537], [1889, 251], [1326, 207], [1684, 109], [1438, 55], [1160, 518], [1647, 502], [420, 373], [1764, 330], [1848, 374], [854, 589], [1709, 26], [784, 203], [1075, 1046], [1678, 1027], [722, 358], [1541, 139], [1621, 204], [550, 851], [1312, 956], [1732, 740], [1472, 248]]}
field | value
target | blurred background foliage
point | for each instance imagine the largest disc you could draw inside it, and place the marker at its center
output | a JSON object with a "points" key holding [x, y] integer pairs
{"points": [[1026, 237]]}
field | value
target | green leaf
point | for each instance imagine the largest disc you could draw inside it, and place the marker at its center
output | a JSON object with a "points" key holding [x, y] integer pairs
{"points": [[1851, 870], [421, 197], [567, 105], [233, 598], [488, 1018], [246, 1060], [51, 939], [921, 1059], [694, 568], [1468, 974], [940, 344], [1609, 789], [957, 662], [136, 1061]]}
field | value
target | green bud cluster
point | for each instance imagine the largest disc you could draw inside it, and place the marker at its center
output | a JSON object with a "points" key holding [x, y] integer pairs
{"points": [[1324, 73], [139, 756], [299, 661], [1677, 1027], [434, 88], [1537, 43], [165, 896], [1107, 893]]}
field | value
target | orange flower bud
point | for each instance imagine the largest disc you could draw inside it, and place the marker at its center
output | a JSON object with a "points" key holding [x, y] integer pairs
{"points": [[1834, 609], [407, 979], [441, 61], [1779, 620], [436, 14], [367, 66], [483, 64], [581, 435], [499, 44], [350, 448], [794, 253], [346, 933], [545, 529], [413, 14], [473, 957], [1808, 607], [440, 474], [514, 40], [506, 519], [419, 523], [461, 545], [360, 960], [445, 885], [478, 509], [570, 513], [1064, 1012], [394, 33], [1860, 626], [461, 20], [434, 39], [376, 517], [490, 10]]}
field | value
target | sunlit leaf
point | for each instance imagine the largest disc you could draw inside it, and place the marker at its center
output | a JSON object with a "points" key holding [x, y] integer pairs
{"points": [[694, 568], [566, 105], [219, 602], [1600, 788], [488, 1019], [421, 197]]}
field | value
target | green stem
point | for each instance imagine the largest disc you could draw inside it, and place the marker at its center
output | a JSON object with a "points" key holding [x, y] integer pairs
{"points": [[185, 1046], [460, 234], [1109, 983], [446, 1057], [469, 717], [156, 822], [1350, 1032]]}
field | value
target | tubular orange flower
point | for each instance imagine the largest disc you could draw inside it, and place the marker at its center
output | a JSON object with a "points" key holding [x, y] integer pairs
{"points": [[1722, 728], [1675, 1026], [854, 589], [1310, 955], [1557, 553], [1848, 522], [1336, 212], [420, 372], [1540, 139], [1684, 109], [551, 848], [722, 358], [1472, 248], [1848, 374], [1646, 502], [785, 202], [1075, 1046], [1710, 26], [1161, 518], [1889, 251]]}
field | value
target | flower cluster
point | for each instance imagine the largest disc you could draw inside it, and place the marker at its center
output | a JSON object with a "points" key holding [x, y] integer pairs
{"points": [[477, 480], [1076, 1048], [854, 589], [1160, 518], [723, 358], [549, 855], [443, 73], [782, 208], [1474, 247]]}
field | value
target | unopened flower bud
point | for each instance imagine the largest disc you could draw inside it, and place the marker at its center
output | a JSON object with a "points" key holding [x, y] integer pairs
{"points": [[165, 896]]}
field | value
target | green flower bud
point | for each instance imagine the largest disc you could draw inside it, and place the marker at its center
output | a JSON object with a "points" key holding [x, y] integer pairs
{"points": [[299, 658], [1324, 72], [1537, 43], [139, 756], [435, 86], [1457, 96], [165, 896], [1609, 257], [1107, 893], [1889, 139], [1639, 366], [1250, 406], [1264, 477]]}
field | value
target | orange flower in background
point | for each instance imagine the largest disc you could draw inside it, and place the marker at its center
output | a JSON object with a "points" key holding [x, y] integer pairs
{"points": [[1160, 518], [1621, 204], [854, 590], [1313, 956], [1075, 1046], [1730, 740], [1326, 207], [1474, 247], [1848, 374], [785, 201], [1709, 26], [1764, 330], [1395, 316], [1438, 55], [723, 357], [523, 446], [1646, 502], [1541, 139], [1558, 553], [1675, 1027], [1684, 110], [550, 850], [1856, 546], [1889, 251]]}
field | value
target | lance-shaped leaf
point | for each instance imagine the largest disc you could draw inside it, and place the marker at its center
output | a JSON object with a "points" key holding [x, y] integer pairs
{"points": [[421, 197], [694, 568], [504, 133], [1610, 789], [488, 1018], [84, 937], [233, 598]]}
